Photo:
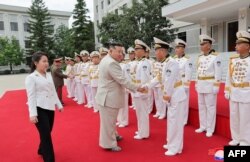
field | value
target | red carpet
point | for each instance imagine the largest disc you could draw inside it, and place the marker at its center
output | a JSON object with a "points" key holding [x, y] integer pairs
{"points": [[75, 137]]}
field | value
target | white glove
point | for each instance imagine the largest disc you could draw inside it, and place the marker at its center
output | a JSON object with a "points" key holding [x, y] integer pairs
{"points": [[227, 95], [215, 90]]}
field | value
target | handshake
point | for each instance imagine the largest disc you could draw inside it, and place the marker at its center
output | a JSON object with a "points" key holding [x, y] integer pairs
{"points": [[71, 76], [143, 89]]}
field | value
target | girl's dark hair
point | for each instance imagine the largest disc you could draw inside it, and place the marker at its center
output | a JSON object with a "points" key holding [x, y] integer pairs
{"points": [[36, 57]]}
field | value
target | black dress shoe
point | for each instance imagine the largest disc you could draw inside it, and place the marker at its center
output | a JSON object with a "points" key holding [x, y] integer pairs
{"points": [[39, 152], [115, 149], [119, 138]]}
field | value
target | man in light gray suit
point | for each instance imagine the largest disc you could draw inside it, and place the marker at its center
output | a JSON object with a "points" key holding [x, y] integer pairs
{"points": [[110, 96]]}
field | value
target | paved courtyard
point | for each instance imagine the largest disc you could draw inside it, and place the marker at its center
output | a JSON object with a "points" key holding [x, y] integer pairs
{"points": [[11, 82]]}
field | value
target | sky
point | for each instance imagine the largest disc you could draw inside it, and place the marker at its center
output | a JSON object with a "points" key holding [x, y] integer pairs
{"points": [[61, 5]]}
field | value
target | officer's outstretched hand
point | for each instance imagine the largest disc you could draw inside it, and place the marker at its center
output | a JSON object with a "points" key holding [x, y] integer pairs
{"points": [[227, 96]]}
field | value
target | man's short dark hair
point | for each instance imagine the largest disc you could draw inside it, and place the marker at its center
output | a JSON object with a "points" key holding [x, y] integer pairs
{"points": [[113, 45]]}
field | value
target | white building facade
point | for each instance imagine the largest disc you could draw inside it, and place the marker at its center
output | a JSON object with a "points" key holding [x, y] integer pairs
{"points": [[14, 22], [102, 7], [221, 19]]}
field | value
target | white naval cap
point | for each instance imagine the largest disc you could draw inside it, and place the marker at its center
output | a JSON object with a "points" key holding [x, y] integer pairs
{"points": [[77, 55], [95, 54], [66, 58], [71, 59], [160, 44], [141, 44], [130, 50], [84, 53], [180, 43], [243, 37], [205, 38], [103, 50]]}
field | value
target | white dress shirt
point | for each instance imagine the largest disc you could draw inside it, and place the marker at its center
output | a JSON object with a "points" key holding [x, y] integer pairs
{"points": [[41, 93]]}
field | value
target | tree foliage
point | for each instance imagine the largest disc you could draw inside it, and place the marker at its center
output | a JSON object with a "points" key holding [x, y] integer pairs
{"points": [[82, 28], [141, 21], [63, 42], [10, 52], [41, 30]]}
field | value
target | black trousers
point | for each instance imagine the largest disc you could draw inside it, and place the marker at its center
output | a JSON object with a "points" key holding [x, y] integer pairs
{"points": [[44, 127]]}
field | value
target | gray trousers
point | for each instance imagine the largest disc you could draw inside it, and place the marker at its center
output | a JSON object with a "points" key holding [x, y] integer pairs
{"points": [[108, 133]]}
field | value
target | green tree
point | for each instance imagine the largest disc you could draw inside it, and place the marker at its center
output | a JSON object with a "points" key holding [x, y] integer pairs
{"points": [[82, 35], [141, 21], [10, 52], [63, 43], [41, 30], [109, 28], [154, 25]]}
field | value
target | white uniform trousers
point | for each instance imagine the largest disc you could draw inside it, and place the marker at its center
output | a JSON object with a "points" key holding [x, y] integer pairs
{"points": [[132, 100], [175, 127], [108, 131], [186, 110], [93, 91], [73, 88], [69, 84], [240, 122], [161, 106], [80, 93], [142, 116], [150, 100], [123, 114], [207, 111], [87, 91]]}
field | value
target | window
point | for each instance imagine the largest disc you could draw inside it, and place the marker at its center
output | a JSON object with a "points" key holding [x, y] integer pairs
{"points": [[102, 4], [96, 9], [27, 44], [182, 36], [108, 2], [1, 25], [26, 27], [116, 11], [232, 29], [13, 26], [215, 32]]}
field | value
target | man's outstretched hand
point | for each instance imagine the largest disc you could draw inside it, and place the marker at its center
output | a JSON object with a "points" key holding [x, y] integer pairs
{"points": [[143, 89]]}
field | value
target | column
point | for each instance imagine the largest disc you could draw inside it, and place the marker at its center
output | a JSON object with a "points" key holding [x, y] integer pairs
{"points": [[205, 26], [244, 19]]}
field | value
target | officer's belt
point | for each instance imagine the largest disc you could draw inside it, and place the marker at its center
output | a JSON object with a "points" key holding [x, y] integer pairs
{"points": [[241, 85], [178, 84], [206, 78], [84, 75], [96, 77], [136, 81]]}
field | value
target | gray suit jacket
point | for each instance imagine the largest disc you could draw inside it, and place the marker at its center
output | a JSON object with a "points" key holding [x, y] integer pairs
{"points": [[111, 84]]}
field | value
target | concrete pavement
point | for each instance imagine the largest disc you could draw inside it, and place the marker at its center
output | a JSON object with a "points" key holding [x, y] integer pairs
{"points": [[11, 82]]}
